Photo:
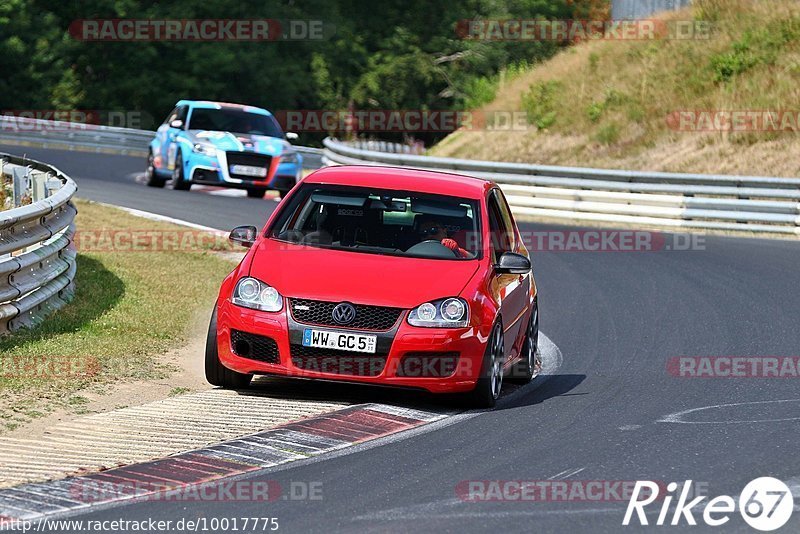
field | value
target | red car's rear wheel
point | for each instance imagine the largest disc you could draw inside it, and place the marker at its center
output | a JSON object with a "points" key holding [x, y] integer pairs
{"points": [[529, 366]]}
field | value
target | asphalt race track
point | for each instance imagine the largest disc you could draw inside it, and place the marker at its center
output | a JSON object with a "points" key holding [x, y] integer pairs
{"points": [[617, 318]]}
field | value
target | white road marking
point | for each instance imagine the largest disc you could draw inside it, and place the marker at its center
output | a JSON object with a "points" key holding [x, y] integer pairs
{"points": [[572, 474], [163, 218], [222, 192], [557, 475], [794, 487], [551, 357], [566, 473], [678, 417]]}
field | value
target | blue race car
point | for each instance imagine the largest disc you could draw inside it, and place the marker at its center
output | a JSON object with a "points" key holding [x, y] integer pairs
{"points": [[227, 145]]}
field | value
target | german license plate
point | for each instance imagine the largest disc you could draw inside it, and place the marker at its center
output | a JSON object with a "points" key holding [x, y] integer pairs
{"points": [[248, 170], [326, 339]]}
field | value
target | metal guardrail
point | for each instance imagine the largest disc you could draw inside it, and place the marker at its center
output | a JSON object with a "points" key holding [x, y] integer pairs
{"points": [[73, 135], [641, 9], [37, 258], [669, 200], [78, 136]]}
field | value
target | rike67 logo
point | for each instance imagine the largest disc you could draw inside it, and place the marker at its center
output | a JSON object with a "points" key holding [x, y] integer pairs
{"points": [[765, 503]]}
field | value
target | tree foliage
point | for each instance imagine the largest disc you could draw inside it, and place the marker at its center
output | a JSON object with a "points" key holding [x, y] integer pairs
{"points": [[381, 55]]}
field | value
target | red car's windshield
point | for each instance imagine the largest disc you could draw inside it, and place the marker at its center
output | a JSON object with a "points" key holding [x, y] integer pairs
{"points": [[381, 221]]}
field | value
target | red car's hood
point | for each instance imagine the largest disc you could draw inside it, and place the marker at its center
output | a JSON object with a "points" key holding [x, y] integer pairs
{"points": [[334, 275]]}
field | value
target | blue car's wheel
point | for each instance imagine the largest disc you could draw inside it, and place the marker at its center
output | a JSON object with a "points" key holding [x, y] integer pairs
{"points": [[178, 181], [152, 179]]}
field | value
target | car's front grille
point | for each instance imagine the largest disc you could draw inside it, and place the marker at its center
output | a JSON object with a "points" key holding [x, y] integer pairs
{"points": [[428, 364], [251, 160], [321, 313], [254, 347], [337, 362]]}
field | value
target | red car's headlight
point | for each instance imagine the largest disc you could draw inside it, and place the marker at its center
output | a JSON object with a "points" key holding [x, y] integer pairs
{"points": [[444, 313], [252, 293]]}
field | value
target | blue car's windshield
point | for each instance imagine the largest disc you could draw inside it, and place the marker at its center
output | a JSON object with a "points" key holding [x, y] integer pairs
{"points": [[234, 121]]}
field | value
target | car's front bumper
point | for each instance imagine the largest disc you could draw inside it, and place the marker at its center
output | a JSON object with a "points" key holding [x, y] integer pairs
{"points": [[214, 170], [407, 352]]}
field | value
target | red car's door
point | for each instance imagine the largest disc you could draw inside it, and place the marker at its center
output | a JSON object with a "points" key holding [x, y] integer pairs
{"points": [[511, 290]]}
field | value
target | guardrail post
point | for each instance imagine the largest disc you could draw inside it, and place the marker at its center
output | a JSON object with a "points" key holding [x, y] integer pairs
{"points": [[38, 190], [52, 184], [19, 175]]}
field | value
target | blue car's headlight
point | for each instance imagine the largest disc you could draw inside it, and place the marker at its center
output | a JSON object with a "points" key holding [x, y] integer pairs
{"points": [[252, 293], [289, 157], [444, 313], [207, 150]]}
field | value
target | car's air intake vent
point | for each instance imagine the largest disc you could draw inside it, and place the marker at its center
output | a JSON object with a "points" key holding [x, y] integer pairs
{"points": [[254, 347]]}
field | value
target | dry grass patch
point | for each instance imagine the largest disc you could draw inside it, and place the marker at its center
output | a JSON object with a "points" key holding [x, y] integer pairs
{"points": [[606, 103]]}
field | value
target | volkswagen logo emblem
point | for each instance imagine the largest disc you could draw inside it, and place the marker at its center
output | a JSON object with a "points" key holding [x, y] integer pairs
{"points": [[344, 313]]}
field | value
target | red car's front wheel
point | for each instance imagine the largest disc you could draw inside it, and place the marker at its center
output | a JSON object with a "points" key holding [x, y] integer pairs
{"points": [[216, 373], [487, 388]]}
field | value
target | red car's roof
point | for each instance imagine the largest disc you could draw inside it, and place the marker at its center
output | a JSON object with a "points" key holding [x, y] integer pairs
{"points": [[415, 180]]}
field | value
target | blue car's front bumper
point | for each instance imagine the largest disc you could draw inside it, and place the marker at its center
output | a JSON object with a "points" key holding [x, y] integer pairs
{"points": [[202, 168]]}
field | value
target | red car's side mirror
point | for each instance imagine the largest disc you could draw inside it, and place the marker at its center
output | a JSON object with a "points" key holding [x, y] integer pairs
{"points": [[513, 263], [244, 235]]}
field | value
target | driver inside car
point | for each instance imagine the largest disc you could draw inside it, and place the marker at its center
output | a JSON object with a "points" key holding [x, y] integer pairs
{"points": [[433, 229]]}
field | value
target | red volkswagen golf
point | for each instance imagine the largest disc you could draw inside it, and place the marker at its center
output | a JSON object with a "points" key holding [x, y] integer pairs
{"points": [[379, 275]]}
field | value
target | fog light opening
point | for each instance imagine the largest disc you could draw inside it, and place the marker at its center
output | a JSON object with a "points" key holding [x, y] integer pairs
{"points": [[242, 347]]}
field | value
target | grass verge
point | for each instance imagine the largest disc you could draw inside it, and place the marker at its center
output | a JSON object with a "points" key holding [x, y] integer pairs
{"points": [[129, 307]]}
